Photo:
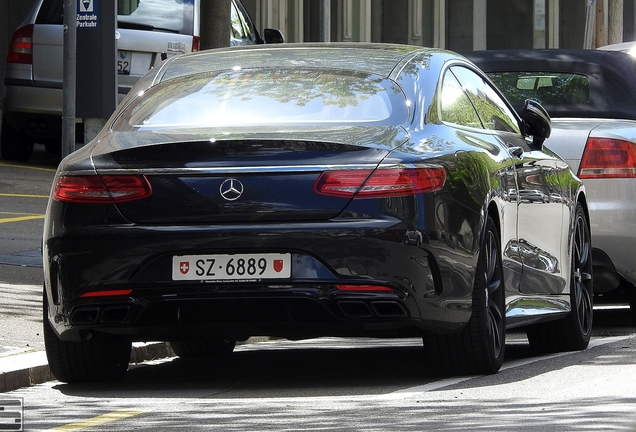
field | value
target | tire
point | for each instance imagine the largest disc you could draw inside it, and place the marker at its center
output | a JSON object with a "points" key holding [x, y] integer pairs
{"points": [[479, 348], [102, 358], [14, 144], [215, 348], [573, 332]]}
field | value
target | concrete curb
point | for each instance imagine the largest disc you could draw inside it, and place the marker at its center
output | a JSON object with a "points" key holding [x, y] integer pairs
{"points": [[23, 370], [32, 368], [28, 369]]}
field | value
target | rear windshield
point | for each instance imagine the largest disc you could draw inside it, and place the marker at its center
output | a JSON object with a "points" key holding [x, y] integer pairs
{"points": [[267, 97], [549, 88], [175, 16], [51, 12], [169, 15]]}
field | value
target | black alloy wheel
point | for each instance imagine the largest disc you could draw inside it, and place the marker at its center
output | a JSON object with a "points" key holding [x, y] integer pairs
{"points": [[479, 348], [573, 332]]}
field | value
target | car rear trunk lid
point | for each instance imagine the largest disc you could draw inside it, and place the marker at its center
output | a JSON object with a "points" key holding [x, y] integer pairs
{"points": [[240, 180]]}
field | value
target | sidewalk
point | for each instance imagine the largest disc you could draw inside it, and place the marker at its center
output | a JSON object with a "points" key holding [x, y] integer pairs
{"points": [[23, 369]]}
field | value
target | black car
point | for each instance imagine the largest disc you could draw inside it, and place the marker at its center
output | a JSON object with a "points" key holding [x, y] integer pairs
{"points": [[301, 191]]}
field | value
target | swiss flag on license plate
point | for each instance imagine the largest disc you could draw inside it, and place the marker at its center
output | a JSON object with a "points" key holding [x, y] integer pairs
{"points": [[184, 267]]}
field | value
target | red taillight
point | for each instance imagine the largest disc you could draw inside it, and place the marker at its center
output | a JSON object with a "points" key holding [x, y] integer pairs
{"points": [[381, 182], [196, 43], [105, 189], [21, 46], [368, 288], [608, 158], [109, 293]]}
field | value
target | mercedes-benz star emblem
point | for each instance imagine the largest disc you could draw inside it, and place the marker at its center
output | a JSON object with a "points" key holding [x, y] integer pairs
{"points": [[231, 189]]}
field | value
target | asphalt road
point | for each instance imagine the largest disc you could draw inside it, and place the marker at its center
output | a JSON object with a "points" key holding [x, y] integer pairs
{"points": [[350, 384]]}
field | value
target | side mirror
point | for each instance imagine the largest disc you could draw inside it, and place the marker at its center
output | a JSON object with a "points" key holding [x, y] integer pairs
{"points": [[536, 121], [273, 36]]}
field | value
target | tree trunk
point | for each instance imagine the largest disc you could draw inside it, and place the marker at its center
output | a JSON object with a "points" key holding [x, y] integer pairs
{"points": [[615, 24], [215, 24], [599, 35]]}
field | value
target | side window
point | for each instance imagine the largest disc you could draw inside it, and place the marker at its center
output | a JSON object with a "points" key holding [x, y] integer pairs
{"points": [[51, 12], [492, 109], [240, 24], [455, 105]]}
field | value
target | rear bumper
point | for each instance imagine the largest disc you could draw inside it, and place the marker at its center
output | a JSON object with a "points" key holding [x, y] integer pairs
{"points": [[305, 310], [612, 206], [33, 100], [432, 284]]}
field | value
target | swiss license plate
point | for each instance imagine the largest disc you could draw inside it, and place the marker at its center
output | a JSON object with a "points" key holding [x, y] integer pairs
{"points": [[237, 267], [123, 62]]}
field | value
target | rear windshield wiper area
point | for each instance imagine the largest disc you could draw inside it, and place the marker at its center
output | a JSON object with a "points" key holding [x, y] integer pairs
{"points": [[141, 26]]}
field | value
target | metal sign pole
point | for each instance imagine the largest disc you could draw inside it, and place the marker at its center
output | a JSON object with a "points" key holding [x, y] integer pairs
{"points": [[96, 64], [69, 77]]}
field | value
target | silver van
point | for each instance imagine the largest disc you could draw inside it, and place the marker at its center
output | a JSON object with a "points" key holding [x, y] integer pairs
{"points": [[146, 30]]}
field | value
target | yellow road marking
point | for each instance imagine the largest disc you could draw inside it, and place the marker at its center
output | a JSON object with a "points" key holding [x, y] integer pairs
{"points": [[22, 195], [21, 218], [98, 421], [20, 213], [28, 166]]}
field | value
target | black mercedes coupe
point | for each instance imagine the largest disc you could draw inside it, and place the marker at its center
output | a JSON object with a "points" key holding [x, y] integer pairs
{"points": [[300, 191]]}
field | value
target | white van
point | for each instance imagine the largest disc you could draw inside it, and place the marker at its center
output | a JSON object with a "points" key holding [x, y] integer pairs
{"points": [[146, 30]]}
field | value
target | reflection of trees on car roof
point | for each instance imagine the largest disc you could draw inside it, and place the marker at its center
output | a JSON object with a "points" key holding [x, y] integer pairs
{"points": [[246, 97], [301, 87]]}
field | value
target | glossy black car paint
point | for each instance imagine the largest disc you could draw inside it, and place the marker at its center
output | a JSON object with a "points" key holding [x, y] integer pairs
{"points": [[424, 247]]}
